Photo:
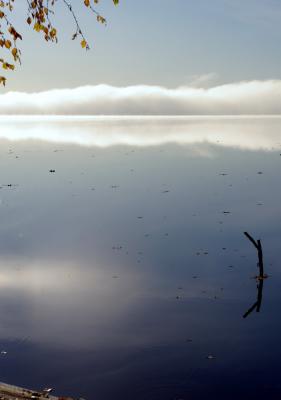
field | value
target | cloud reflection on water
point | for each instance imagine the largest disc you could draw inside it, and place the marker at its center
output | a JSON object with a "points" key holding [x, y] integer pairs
{"points": [[249, 133]]}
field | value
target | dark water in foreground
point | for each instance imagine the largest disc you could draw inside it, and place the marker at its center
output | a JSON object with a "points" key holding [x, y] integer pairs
{"points": [[125, 274]]}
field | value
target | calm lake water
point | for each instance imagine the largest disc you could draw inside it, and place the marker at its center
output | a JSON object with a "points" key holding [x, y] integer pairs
{"points": [[125, 273]]}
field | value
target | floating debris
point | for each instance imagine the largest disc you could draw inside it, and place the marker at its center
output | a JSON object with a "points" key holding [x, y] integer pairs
{"points": [[10, 185], [117, 247]]}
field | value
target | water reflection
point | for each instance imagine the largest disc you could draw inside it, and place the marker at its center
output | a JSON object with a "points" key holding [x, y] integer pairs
{"points": [[252, 133], [125, 268], [257, 305]]}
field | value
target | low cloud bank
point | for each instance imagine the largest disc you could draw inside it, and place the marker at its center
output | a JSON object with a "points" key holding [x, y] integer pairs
{"points": [[254, 97]]}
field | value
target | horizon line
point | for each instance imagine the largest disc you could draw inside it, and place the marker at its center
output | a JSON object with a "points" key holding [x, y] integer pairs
{"points": [[91, 116]]}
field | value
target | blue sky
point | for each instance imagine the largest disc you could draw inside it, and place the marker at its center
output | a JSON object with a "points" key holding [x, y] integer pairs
{"points": [[156, 42]]}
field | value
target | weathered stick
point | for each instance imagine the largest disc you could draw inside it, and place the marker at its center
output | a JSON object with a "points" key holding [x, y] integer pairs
{"points": [[260, 255], [251, 239], [258, 246]]}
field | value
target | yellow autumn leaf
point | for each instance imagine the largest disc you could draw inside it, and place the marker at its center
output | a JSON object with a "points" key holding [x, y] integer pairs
{"points": [[8, 44], [53, 33], [37, 27], [83, 43], [2, 80], [15, 53]]}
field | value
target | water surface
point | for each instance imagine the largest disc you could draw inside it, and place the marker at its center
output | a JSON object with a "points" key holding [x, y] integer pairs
{"points": [[125, 273]]}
